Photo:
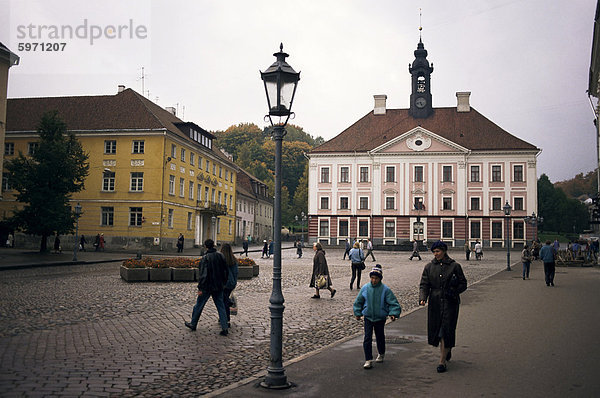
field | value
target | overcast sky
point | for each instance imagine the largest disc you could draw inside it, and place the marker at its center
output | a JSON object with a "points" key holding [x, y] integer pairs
{"points": [[526, 62]]}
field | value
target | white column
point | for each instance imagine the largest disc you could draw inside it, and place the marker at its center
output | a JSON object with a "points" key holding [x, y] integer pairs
{"points": [[197, 238]]}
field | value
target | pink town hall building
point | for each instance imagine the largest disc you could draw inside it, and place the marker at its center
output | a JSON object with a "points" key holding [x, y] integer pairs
{"points": [[422, 173]]}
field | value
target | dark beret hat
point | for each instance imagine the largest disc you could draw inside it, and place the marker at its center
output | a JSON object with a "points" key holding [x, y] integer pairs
{"points": [[439, 245]]}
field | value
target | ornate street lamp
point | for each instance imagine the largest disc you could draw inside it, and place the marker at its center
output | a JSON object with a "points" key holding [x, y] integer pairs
{"points": [[507, 208], [534, 220], [302, 220], [280, 81], [77, 214]]}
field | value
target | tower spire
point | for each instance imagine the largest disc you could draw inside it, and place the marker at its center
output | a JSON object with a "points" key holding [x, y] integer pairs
{"points": [[420, 25]]}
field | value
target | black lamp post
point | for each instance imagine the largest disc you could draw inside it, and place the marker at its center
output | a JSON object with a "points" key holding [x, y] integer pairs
{"points": [[302, 220], [507, 208], [280, 81], [534, 221], [77, 214]]}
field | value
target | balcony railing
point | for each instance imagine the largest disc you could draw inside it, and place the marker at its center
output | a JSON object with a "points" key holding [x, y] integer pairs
{"points": [[211, 207]]}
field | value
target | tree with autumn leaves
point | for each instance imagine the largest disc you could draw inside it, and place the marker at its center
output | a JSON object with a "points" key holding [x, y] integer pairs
{"points": [[254, 151]]}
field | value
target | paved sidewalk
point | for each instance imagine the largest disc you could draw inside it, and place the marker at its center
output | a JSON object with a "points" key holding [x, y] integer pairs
{"points": [[515, 338], [20, 258], [24, 258]]}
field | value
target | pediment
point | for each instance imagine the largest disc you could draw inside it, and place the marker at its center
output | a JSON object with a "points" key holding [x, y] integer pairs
{"points": [[447, 191], [419, 140], [390, 191]]}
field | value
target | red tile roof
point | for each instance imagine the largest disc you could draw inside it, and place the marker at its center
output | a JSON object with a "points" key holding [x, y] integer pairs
{"points": [[123, 111], [471, 130]]}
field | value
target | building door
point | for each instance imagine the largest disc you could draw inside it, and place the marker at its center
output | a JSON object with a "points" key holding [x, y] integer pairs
{"points": [[418, 230]]}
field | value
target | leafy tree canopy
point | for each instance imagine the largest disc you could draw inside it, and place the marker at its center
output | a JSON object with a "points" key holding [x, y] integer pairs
{"points": [[254, 151], [561, 213], [46, 179]]}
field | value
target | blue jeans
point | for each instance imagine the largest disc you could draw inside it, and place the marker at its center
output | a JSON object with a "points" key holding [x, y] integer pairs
{"points": [[368, 341], [526, 269], [201, 302]]}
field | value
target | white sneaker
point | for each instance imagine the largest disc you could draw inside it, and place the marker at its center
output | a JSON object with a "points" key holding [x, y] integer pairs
{"points": [[380, 358], [368, 365]]}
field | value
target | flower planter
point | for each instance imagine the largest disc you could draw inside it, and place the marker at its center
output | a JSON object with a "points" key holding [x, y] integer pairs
{"points": [[160, 274], [245, 272], [183, 274], [255, 270], [134, 274]]}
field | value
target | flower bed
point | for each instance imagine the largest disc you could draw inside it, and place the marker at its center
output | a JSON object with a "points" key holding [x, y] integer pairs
{"points": [[174, 269], [170, 262]]}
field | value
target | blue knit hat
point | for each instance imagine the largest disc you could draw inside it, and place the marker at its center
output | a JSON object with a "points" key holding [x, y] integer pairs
{"points": [[377, 271], [439, 245]]}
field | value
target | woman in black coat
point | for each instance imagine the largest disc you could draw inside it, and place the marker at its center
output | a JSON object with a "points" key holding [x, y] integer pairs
{"points": [[441, 283], [320, 268]]}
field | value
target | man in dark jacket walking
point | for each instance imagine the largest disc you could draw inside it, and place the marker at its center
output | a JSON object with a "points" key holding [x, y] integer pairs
{"points": [[211, 281], [547, 256]]}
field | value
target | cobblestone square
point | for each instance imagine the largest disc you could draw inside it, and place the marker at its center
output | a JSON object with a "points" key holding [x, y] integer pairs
{"points": [[82, 330]]}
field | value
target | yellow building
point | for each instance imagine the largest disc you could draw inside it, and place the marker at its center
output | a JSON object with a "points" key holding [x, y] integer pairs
{"points": [[7, 59], [152, 175]]}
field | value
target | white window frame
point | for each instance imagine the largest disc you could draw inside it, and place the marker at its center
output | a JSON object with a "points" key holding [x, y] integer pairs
{"points": [[415, 173], [108, 181], [347, 202], [515, 203], [502, 229], [136, 181], [110, 147], [321, 175], [471, 237], [522, 173], [492, 172], [451, 173], [358, 221], [138, 147], [492, 204], [445, 220], [360, 169], [347, 174], [393, 173], [107, 216], [348, 224], [478, 202], [393, 198], [360, 198], [385, 221], [171, 184], [478, 173], [444, 199]]}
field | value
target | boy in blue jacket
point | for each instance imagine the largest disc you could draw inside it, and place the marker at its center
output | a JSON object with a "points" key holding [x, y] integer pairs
{"points": [[375, 302]]}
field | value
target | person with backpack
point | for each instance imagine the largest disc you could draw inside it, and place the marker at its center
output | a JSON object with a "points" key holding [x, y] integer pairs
{"points": [[357, 258]]}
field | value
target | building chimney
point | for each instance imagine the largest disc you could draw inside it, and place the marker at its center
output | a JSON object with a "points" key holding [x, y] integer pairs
{"points": [[171, 109], [462, 101], [379, 104], [121, 88]]}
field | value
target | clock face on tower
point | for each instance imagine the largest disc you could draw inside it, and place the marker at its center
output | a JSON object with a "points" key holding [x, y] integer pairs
{"points": [[420, 102]]}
